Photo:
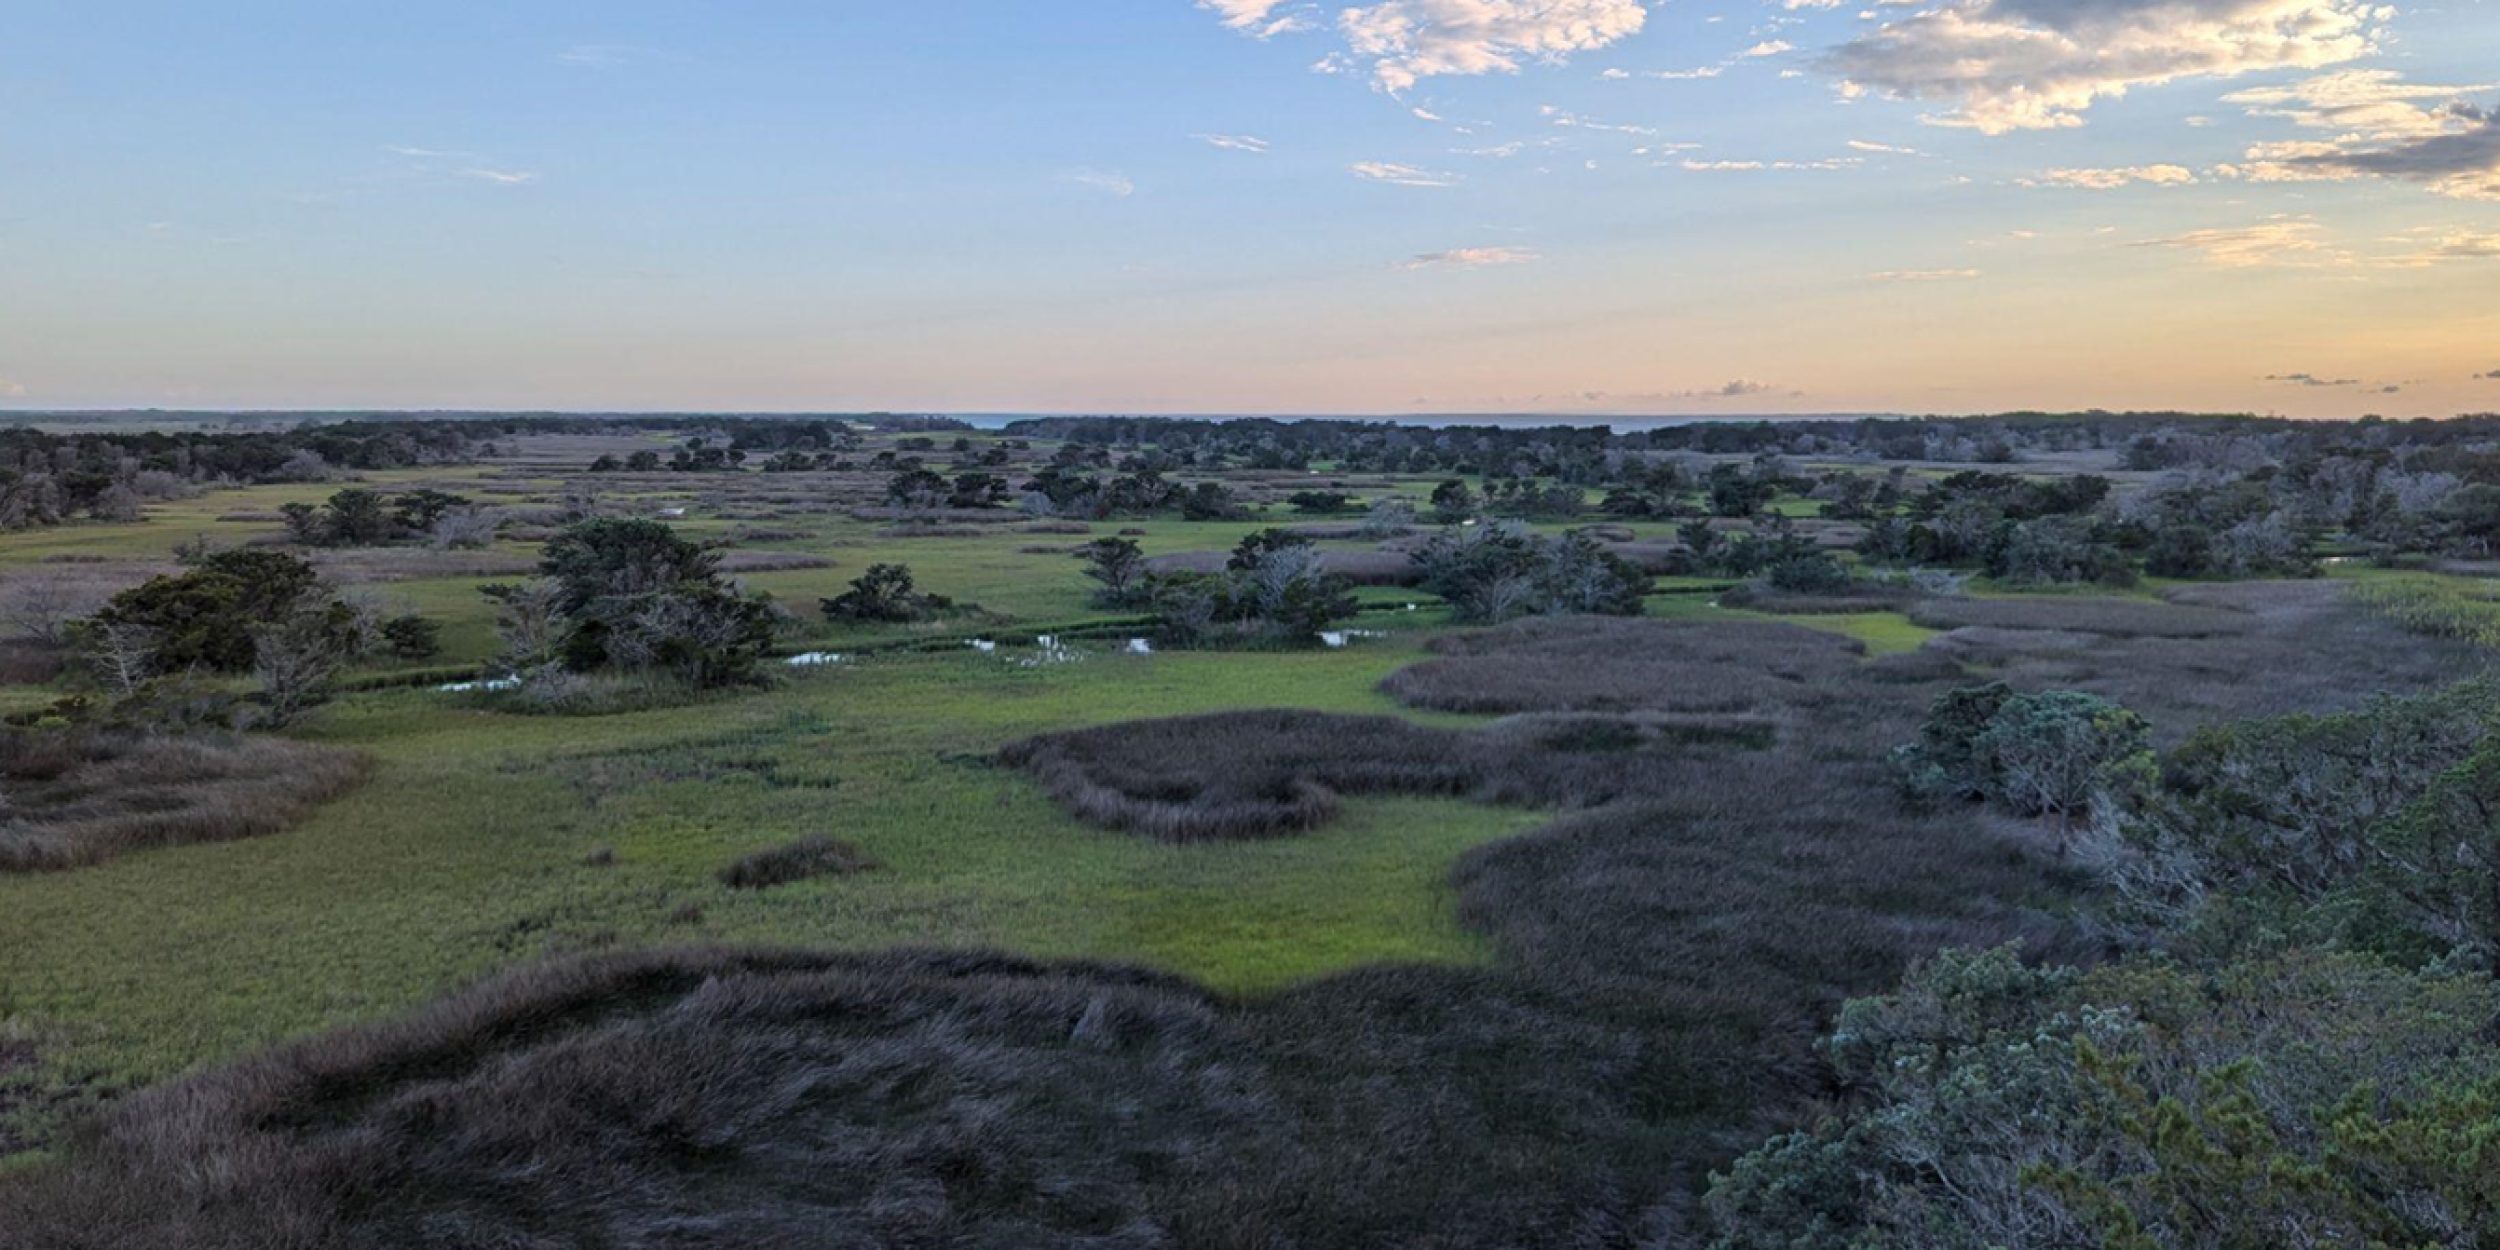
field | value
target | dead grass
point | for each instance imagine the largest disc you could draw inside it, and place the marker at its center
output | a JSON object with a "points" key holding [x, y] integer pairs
{"points": [[816, 855], [2123, 618], [80, 798]]}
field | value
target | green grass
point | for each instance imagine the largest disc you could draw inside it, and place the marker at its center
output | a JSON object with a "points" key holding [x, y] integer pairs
{"points": [[466, 852]]}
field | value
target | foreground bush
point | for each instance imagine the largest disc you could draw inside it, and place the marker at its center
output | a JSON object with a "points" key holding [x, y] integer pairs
{"points": [[816, 855], [78, 797], [2300, 1099]]}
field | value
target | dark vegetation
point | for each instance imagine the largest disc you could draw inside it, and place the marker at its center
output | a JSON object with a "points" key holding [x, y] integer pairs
{"points": [[633, 596], [2174, 935], [79, 797], [816, 855]]}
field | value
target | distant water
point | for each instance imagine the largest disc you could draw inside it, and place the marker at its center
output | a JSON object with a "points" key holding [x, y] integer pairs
{"points": [[1517, 420]]}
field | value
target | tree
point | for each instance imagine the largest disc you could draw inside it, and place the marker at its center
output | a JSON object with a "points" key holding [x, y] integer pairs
{"points": [[885, 593], [1319, 501], [2062, 754], [204, 617], [357, 517], [1452, 502], [632, 594], [412, 637], [42, 605], [122, 657], [417, 511], [295, 658], [1119, 567]]}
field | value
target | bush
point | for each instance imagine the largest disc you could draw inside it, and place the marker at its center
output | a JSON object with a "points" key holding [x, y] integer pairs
{"points": [[2062, 753], [632, 595], [204, 617], [78, 797], [816, 855], [884, 594], [1494, 573], [1274, 589], [1118, 567], [2309, 1099]]}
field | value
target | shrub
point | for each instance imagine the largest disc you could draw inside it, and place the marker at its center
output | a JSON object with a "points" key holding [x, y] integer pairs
{"points": [[1118, 567], [204, 617], [2304, 1098], [883, 594], [2061, 753], [1494, 573], [816, 855], [412, 637], [633, 595], [79, 797]]}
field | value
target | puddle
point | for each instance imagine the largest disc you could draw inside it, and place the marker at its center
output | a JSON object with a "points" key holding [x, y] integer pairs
{"points": [[1338, 638], [468, 687]]}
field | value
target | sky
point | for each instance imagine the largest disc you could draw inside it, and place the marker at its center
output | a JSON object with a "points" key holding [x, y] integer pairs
{"points": [[1396, 207]]}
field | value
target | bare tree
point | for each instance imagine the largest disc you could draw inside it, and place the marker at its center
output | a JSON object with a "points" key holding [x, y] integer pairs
{"points": [[295, 659], [122, 656], [41, 605], [466, 528]]}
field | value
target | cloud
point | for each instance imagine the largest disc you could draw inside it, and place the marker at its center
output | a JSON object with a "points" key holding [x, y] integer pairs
{"points": [[1683, 75], [1923, 275], [1401, 175], [1769, 47], [2310, 379], [1233, 143], [2493, 376], [1261, 19], [11, 388], [505, 177], [1405, 41], [2282, 241], [1741, 167], [1864, 145], [1114, 183], [2112, 179], [427, 154], [2434, 244], [1470, 258], [1737, 389], [2002, 65], [2379, 126]]}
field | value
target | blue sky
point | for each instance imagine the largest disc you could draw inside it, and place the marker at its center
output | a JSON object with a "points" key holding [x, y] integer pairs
{"points": [[1403, 206]]}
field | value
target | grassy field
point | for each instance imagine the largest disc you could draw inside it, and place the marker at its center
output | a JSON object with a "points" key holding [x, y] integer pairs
{"points": [[487, 838]]}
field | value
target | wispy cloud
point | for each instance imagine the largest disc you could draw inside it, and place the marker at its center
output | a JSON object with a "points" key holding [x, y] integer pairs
{"points": [[2282, 241], [1768, 47], [504, 177], [1825, 165], [2309, 379], [2114, 178], [11, 388], [1867, 145], [1101, 180], [1401, 175], [1470, 258], [1262, 19], [1923, 275], [1233, 143]]}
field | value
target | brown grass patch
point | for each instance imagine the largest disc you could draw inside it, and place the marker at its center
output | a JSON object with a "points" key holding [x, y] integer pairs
{"points": [[80, 798]]}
